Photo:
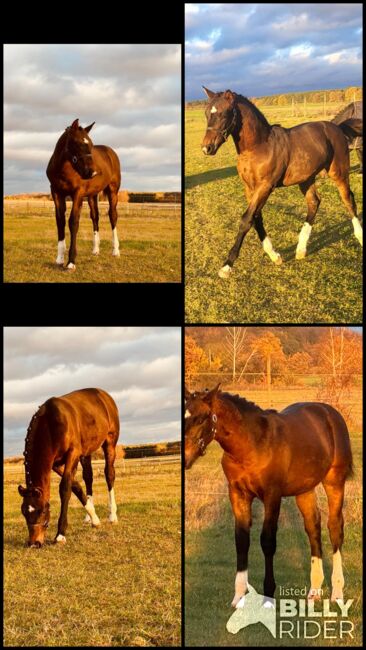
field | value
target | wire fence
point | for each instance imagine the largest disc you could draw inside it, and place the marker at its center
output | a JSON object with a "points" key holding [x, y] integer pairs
{"points": [[39, 207]]}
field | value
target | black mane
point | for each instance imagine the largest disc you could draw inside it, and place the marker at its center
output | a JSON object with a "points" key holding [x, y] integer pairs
{"points": [[240, 99]]}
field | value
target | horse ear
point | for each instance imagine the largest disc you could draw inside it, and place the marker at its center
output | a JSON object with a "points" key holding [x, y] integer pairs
{"points": [[187, 394], [229, 96], [88, 128], [22, 491], [75, 124], [210, 396], [208, 92]]}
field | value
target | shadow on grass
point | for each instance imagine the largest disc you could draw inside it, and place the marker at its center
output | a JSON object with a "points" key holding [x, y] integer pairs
{"points": [[208, 177], [324, 239]]}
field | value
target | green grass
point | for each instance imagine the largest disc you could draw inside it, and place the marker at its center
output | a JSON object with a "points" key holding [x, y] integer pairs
{"points": [[118, 585], [325, 287], [149, 249], [211, 560]]}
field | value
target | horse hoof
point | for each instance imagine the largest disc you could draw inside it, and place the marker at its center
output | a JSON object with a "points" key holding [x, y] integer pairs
{"points": [[314, 594], [224, 273], [59, 263], [60, 539], [300, 255], [113, 521], [95, 253], [115, 253], [70, 267], [95, 524], [278, 260]]}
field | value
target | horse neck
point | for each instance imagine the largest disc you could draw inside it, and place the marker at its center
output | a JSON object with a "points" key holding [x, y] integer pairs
{"points": [[39, 459], [232, 431], [253, 130]]}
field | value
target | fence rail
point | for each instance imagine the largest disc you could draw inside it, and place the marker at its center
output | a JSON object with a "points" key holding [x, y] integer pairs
{"points": [[124, 209]]}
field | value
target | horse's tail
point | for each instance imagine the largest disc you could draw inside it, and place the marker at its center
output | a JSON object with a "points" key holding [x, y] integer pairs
{"points": [[351, 128]]}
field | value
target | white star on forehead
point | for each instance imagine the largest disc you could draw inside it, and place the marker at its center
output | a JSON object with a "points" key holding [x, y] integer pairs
{"points": [[86, 141], [214, 109]]}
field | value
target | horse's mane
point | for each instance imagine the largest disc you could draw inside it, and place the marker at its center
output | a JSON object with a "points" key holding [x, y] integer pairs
{"points": [[242, 404], [240, 99], [29, 440]]}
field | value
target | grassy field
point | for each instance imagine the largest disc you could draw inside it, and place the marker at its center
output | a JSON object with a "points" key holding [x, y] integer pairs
{"points": [[211, 560], [150, 248], [324, 287], [116, 585]]}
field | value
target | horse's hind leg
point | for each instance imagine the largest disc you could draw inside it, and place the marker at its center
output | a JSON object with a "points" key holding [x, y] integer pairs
{"points": [[342, 182], [335, 495], [91, 516], [94, 215], [313, 202], [110, 474], [308, 507], [112, 194]]}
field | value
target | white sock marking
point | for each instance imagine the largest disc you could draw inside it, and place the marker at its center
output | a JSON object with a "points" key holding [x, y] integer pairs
{"points": [[225, 271], [115, 242], [61, 248], [70, 265], [268, 248], [96, 242], [112, 507], [357, 229], [241, 583], [303, 240], [316, 577], [89, 507], [61, 538], [337, 577]]}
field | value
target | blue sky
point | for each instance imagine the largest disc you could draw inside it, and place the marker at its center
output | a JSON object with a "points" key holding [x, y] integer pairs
{"points": [[265, 49], [138, 366], [131, 92]]}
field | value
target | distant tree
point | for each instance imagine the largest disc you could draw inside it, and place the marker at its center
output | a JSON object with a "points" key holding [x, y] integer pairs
{"points": [[269, 348], [353, 93], [299, 363], [233, 345], [193, 356]]}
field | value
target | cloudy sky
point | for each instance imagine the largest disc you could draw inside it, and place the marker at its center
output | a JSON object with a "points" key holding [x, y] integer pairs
{"points": [[138, 366], [132, 92], [265, 49]]}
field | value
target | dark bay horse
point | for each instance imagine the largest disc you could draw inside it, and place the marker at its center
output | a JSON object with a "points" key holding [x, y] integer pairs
{"points": [[63, 431], [272, 156], [269, 455], [353, 110], [79, 169]]}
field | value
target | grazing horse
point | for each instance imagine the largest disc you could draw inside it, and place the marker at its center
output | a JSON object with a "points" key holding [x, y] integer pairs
{"points": [[269, 455], [77, 168], [63, 431], [272, 156], [353, 110]]}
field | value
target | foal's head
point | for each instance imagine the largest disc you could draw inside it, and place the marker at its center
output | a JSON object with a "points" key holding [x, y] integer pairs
{"points": [[79, 149], [222, 118], [36, 511], [200, 424]]}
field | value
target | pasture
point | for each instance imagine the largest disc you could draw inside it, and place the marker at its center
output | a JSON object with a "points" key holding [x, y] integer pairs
{"points": [[149, 236], [325, 287], [118, 585], [210, 559]]}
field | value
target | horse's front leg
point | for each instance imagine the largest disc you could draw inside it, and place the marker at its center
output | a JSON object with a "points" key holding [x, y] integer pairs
{"points": [[241, 503], [60, 207], [65, 493], [272, 505], [74, 227], [259, 197]]}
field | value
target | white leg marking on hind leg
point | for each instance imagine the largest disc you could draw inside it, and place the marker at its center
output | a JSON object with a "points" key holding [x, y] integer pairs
{"points": [[60, 538], [357, 229], [316, 578], [337, 577], [268, 248], [61, 248], [96, 241], [115, 242], [112, 507], [87, 519], [89, 507], [303, 240], [225, 271], [241, 583]]}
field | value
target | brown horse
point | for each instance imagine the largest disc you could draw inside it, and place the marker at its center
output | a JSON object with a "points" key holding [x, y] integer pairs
{"points": [[354, 111], [272, 156], [269, 455], [63, 431], [77, 168]]}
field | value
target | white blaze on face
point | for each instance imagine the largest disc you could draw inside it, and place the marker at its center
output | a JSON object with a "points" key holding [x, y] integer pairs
{"points": [[89, 507], [316, 578], [61, 247], [337, 577], [31, 509], [115, 242], [112, 507], [241, 583], [86, 140], [96, 242], [187, 414], [214, 109]]}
